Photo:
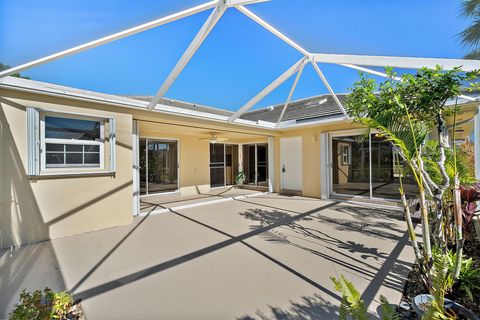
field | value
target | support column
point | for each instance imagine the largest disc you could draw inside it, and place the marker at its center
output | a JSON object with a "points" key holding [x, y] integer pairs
{"points": [[136, 169], [271, 165], [476, 141], [324, 167]]}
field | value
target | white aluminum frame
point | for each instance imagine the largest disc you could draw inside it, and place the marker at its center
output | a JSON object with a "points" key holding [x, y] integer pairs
{"points": [[289, 97], [188, 54], [157, 139], [224, 164], [66, 169], [220, 6]]}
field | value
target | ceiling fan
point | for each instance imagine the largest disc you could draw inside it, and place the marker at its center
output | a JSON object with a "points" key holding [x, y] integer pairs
{"points": [[214, 138]]}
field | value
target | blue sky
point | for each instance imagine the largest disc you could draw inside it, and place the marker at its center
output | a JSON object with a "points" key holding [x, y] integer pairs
{"points": [[238, 59]]}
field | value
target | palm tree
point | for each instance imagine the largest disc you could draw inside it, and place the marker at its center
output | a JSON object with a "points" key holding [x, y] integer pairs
{"points": [[470, 37]]}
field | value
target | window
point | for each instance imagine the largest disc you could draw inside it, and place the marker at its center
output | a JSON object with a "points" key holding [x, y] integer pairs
{"points": [[64, 143], [346, 155], [71, 142]]}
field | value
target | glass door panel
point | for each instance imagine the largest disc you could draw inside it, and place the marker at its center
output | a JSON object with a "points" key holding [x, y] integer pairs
{"points": [[217, 164], [231, 164], [255, 164], [350, 165], [143, 166], [162, 166], [386, 171], [262, 167]]}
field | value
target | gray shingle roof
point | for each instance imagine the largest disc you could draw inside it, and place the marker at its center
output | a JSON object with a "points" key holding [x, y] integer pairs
{"points": [[309, 108]]}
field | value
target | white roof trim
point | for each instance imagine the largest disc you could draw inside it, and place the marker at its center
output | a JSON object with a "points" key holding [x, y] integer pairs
{"points": [[67, 92]]}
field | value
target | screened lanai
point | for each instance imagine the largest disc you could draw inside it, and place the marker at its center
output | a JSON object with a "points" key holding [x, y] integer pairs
{"points": [[312, 55], [212, 15]]}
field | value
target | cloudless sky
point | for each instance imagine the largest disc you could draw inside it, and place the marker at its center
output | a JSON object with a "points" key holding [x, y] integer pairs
{"points": [[237, 60]]}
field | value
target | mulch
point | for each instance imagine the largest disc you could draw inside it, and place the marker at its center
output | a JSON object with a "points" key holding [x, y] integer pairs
{"points": [[414, 283]]}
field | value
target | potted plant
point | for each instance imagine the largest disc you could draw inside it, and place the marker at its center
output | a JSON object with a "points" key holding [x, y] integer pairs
{"points": [[435, 305], [240, 178]]}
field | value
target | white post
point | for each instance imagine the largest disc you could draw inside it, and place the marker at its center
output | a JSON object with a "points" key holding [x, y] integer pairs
{"points": [[136, 168], [289, 97], [370, 163], [476, 141], [324, 167], [271, 164], [240, 157], [329, 88]]}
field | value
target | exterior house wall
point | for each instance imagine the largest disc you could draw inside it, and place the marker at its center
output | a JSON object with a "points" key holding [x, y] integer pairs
{"points": [[311, 146], [48, 207], [194, 161], [33, 210]]}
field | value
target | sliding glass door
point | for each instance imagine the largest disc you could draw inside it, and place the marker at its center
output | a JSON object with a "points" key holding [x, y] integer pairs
{"points": [[158, 166], [255, 164], [223, 164], [367, 166]]}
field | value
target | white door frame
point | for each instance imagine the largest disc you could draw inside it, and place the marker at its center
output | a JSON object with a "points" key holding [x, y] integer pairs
{"points": [[147, 138], [330, 160], [224, 164], [282, 182]]}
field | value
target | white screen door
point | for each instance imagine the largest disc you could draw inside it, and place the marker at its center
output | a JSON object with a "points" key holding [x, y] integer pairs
{"points": [[291, 163]]}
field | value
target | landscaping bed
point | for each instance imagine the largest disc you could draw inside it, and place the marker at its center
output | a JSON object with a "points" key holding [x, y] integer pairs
{"points": [[414, 284]]}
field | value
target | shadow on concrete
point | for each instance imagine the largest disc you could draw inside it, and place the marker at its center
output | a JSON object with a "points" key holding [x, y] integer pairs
{"points": [[348, 254], [122, 281], [308, 308]]}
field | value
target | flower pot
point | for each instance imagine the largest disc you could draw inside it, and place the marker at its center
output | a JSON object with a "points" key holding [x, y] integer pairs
{"points": [[420, 305]]}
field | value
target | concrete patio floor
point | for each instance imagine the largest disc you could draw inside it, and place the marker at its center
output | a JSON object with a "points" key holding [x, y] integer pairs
{"points": [[263, 257]]}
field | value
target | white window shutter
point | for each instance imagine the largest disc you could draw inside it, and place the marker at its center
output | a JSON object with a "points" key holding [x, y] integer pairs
{"points": [[33, 142], [112, 140]]}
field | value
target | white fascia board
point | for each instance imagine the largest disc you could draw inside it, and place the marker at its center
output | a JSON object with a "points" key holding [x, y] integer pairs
{"points": [[272, 86], [396, 62], [235, 3], [189, 52], [273, 30], [110, 38], [292, 124], [65, 92]]}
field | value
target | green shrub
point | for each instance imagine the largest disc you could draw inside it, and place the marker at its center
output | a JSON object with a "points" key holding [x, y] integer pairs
{"points": [[352, 304], [42, 305], [468, 281]]}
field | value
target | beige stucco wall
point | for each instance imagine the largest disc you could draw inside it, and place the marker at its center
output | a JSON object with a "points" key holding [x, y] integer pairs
{"points": [[34, 210], [311, 145], [194, 151], [47, 208], [194, 173]]}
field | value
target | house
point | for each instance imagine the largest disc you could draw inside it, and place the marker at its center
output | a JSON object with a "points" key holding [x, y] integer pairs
{"points": [[75, 161]]}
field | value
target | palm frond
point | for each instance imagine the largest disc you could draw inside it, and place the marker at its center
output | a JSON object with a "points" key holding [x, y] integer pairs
{"points": [[470, 8], [473, 55], [470, 37]]}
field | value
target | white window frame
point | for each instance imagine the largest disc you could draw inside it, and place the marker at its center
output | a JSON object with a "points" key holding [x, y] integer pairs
{"points": [[67, 167]]}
